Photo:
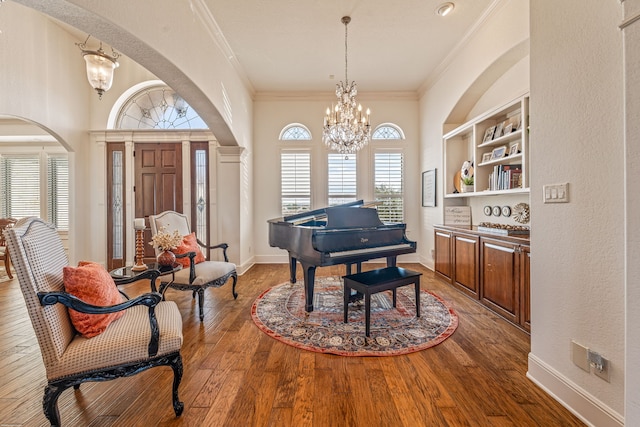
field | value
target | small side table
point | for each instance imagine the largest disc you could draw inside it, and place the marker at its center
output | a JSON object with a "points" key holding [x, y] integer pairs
{"points": [[374, 281], [124, 275]]}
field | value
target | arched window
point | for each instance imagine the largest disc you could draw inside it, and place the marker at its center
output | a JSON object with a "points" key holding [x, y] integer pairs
{"points": [[158, 107], [387, 131], [295, 170], [388, 169], [295, 132]]}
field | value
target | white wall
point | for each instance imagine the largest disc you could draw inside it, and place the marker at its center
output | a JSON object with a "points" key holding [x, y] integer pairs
{"points": [[272, 115], [632, 198], [577, 265]]}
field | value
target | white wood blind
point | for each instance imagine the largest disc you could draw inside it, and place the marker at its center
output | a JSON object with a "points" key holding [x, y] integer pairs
{"points": [[388, 186], [295, 171], [342, 186]]}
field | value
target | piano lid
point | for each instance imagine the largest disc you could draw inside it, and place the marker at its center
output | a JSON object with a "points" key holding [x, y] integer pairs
{"points": [[348, 217], [315, 214]]}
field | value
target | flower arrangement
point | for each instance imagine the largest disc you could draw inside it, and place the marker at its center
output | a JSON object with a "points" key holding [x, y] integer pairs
{"points": [[166, 241]]}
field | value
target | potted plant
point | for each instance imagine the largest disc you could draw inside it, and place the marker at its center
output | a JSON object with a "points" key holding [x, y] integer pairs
{"points": [[467, 184]]}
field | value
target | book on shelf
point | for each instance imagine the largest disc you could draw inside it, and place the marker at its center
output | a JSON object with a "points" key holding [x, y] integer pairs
{"points": [[505, 177]]}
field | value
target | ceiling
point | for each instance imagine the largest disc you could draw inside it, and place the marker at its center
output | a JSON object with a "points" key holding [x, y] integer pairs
{"points": [[294, 45]]}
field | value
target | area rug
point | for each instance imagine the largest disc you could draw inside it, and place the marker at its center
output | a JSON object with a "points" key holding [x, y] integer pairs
{"points": [[279, 312]]}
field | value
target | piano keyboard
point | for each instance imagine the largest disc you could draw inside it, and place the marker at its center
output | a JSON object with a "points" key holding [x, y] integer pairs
{"points": [[369, 250]]}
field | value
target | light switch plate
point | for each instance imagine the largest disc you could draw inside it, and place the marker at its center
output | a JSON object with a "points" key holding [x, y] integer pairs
{"points": [[580, 356], [556, 193]]}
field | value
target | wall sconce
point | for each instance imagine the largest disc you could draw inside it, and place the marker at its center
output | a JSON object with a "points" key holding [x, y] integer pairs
{"points": [[138, 225], [100, 67]]}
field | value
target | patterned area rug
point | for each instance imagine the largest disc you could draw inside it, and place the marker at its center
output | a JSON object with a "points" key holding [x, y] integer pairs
{"points": [[279, 312]]}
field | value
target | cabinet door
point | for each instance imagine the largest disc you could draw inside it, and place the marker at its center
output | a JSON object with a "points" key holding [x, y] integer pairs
{"points": [[465, 258], [500, 274], [525, 290], [443, 251]]}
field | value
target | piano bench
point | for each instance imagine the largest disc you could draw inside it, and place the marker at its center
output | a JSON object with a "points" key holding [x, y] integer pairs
{"points": [[374, 281]]}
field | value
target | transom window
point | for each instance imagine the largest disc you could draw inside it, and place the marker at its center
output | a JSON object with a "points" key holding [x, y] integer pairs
{"points": [[295, 132], [158, 107], [387, 131]]}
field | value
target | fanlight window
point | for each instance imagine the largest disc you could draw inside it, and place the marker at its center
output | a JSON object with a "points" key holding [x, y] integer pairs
{"points": [[295, 132], [158, 107], [387, 131]]}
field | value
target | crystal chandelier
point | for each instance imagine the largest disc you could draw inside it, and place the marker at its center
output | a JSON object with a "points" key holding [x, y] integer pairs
{"points": [[100, 67], [346, 129]]}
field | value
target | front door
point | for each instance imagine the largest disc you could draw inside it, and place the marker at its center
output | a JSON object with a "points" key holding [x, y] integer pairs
{"points": [[158, 186]]}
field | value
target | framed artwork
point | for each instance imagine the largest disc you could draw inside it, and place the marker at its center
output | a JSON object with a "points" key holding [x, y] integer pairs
{"points": [[508, 129], [429, 188], [486, 157], [514, 148], [499, 129], [499, 152], [488, 134]]}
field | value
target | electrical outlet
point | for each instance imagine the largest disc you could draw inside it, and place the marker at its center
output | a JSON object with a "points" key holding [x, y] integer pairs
{"points": [[599, 364], [580, 356]]}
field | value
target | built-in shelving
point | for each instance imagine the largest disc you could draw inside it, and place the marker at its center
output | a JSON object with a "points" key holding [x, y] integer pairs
{"points": [[500, 162]]}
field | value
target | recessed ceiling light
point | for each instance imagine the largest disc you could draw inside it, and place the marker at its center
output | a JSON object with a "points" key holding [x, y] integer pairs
{"points": [[445, 8]]}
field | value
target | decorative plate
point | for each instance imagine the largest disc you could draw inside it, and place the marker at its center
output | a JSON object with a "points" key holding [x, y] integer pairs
{"points": [[496, 211], [506, 211], [487, 210], [521, 213]]}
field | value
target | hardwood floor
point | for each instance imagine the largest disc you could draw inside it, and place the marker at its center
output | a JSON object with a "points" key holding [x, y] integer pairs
{"points": [[235, 375]]}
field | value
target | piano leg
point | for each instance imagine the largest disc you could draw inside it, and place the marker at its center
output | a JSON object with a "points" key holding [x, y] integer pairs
{"points": [[309, 279], [391, 261], [292, 268]]}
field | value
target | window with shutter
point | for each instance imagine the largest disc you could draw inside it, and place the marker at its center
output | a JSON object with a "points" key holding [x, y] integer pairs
{"points": [[388, 186], [341, 179], [20, 183], [58, 191], [295, 172]]}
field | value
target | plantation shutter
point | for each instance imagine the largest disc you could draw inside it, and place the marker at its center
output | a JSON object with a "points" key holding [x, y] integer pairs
{"points": [[58, 191], [341, 179], [20, 183], [389, 188], [295, 170]]}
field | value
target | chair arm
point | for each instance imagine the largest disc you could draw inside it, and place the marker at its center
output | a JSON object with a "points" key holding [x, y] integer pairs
{"points": [[151, 300], [222, 246], [192, 264]]}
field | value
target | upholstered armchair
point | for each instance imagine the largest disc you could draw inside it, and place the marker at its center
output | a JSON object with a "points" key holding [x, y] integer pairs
{"points": [[199, 275], [147, 334], [4, 253]]}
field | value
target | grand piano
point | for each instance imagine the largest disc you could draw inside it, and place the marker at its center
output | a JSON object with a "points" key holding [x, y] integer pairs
{"points": [[345, 234]]}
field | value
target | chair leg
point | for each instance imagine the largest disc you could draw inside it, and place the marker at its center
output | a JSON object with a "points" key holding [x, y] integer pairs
{"points": [[233, 289], [176, 365], [201, 303], [7, 266], [50, 403]]}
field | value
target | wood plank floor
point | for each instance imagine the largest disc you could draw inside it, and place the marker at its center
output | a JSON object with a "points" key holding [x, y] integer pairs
{"points": [[235, 375]]}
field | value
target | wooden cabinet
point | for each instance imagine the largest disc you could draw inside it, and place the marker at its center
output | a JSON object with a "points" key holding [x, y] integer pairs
{"points": [[465, 263], [493, 270], [500, 278], [443, 254], [525, 293]]}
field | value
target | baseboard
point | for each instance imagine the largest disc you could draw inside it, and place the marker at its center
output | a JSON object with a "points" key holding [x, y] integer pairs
{"points": [[245, 266], [583, 405]]}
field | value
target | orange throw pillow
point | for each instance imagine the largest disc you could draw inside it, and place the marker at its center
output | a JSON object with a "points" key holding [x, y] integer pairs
{"points": [[93, 284], [189, 244]]}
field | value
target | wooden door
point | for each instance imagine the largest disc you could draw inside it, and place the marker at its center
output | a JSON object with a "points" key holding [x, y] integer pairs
{"points": [[525, 292], [158, 187], [465, 259], [500, 289], [443, 264]]}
